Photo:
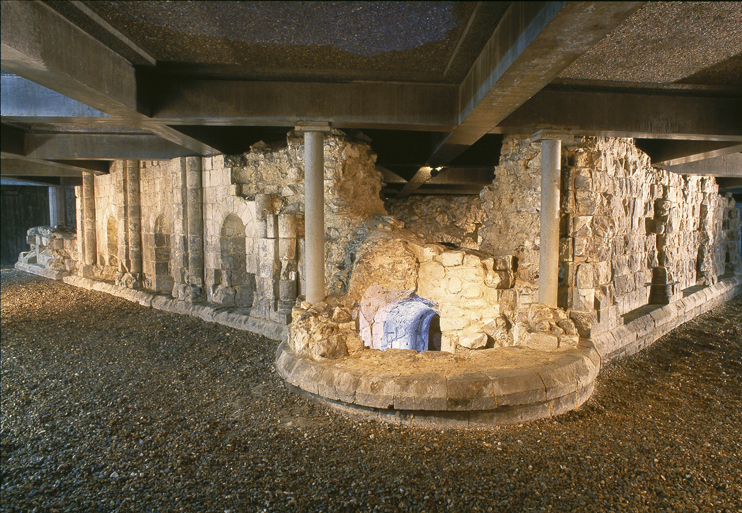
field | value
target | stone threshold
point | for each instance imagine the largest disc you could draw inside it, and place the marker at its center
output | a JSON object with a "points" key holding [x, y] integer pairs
{"points": [[233, 317], [432, 389], [646, 325]]}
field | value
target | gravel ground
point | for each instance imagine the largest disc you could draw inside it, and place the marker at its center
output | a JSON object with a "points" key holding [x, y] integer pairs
{"points": [[109, 406]]}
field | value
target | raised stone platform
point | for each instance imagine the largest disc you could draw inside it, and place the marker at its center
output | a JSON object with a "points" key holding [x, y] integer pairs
{"points": [[439, 390], [647, 324], [234, 317]]}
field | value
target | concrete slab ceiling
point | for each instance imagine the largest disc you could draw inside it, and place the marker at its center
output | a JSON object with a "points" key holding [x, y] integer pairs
{"points": [[431, 83]]}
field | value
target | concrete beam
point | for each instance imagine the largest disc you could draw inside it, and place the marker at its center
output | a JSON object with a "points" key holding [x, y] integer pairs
{"points": [[21, 98], [346, 105], [12, 140], [42, 46], [531, 45], [673, 152], [638, 114], [726, 165], [26, 167], [102, 146]]}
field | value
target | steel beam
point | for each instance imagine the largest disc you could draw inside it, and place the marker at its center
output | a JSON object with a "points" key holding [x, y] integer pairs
{"points": [[628, 114], [726, 165], [102, 146], [531, 45]]}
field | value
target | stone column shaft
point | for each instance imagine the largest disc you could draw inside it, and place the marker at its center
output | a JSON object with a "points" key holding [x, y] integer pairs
{"points": [[195, 226], [134, 211], [314, 212], [88, 214], [57, 207], [551, 165]]}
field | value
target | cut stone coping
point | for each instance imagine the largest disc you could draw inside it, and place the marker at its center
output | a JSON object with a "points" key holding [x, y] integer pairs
{"points": [[233, 317], [443, 390]]}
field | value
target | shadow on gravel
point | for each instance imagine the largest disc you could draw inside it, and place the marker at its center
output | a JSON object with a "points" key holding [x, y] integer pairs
{"points": [[109, 406]]}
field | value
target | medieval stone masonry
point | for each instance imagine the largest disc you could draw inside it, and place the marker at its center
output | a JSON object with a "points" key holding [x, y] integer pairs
{"points": [[453, 274]]}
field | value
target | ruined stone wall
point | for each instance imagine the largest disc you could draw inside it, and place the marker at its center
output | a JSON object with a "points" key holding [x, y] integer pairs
{"points": [[107, 204], [157, 224], [52, 248], [512, 205], [352, 193], [451, 219]]}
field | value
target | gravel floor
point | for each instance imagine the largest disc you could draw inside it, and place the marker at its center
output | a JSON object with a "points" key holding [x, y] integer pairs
{"points": [[109, 406]]}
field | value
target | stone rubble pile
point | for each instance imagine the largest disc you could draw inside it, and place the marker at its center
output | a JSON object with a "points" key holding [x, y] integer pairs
{"points": [[472, 293], [52, 248]]}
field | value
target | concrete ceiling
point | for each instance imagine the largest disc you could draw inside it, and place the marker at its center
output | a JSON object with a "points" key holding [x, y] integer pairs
{"points": [[430, 83]]}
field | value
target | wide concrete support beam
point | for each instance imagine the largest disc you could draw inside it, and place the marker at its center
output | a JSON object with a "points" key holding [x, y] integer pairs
{"points": [[726, 165], [314, 212], [22, 98], [42, 46], [19, 166], [349, 105], [531, 45], [12, 140], [674, 153], [640, 114], [548, 275], [102, 146]]}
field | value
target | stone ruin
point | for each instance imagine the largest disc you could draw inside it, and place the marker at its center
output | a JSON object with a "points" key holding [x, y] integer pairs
{"points": [[401, 284], [445, 275]]}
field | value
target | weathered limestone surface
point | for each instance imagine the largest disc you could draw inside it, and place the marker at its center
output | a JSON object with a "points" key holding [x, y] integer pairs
{"points": [[55, 249], [452, 219]]}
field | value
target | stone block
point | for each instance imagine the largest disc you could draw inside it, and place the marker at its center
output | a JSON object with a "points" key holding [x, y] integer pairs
{"points": [[583, 299], [287, 249], [516, 387], [503, 263], [469, 391], [375, 391], [451, 258], [271, 226], [421, 392], [585, 276]]}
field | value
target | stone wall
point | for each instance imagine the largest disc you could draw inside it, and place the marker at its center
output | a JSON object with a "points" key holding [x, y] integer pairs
{"points": [[450, 219]]}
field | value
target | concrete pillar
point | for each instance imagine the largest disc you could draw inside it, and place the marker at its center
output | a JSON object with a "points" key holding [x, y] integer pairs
{"points": [[314, 212], [195, 226], [88, 214], [134, 217], [57, 207], [551, 167]]}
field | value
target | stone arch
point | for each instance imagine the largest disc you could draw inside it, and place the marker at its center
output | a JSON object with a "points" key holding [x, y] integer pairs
{"points": [[234, 286], [112, 242], [162, 280], [412, 323]]}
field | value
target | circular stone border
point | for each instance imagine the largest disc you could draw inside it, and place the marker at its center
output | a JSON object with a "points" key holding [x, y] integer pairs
{"points": [[435, 389]]}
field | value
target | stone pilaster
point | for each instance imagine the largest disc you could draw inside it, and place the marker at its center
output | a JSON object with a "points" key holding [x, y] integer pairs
{"points": [[89, 228]]}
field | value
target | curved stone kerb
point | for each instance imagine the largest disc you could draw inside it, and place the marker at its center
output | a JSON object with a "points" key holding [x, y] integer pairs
{"points": [[488, 383]]}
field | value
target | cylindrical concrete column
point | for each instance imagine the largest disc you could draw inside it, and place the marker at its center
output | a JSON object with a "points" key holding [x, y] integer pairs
{"points": [[195, 227], [551, 166], [134, 218], [88, 214], [57, 207], [314, 212]]}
